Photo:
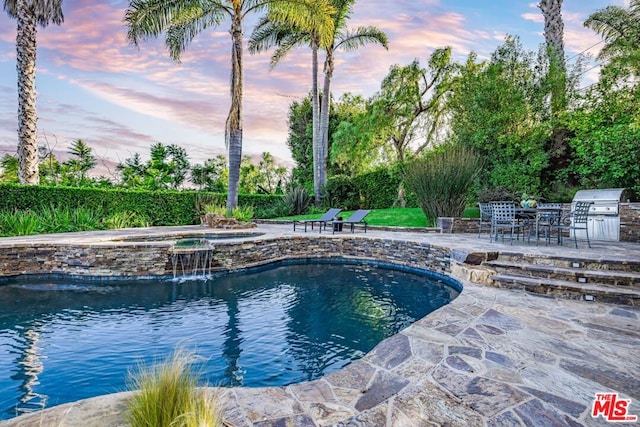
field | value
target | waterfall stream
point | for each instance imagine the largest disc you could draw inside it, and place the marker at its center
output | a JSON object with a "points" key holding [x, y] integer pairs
{"points": [[192, 258]]}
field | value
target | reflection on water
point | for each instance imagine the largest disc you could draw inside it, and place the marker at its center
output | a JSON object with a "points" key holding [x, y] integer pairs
{"points": [[31, 365], [66, 340]]}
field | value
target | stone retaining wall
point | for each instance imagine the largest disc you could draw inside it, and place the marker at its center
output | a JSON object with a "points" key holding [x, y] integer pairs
{"points": [[123, 259], [261, 251], [90, 260]]}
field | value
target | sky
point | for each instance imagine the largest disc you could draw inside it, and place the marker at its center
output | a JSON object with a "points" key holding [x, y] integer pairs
{"points": [[94, 85]]}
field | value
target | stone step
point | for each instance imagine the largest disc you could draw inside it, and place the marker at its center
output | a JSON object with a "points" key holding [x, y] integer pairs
{"points": [[570, 290], [572, 261], [569, 274]]}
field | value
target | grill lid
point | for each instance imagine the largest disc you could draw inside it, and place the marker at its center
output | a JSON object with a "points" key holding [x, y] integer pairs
{"points": [[605, 196]]}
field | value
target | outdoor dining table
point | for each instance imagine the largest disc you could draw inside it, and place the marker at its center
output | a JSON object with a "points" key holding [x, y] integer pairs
{"points": [[544, 216]]}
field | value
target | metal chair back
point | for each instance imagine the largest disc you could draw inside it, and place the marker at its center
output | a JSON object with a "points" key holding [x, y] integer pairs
{"points": [[503, 212], [485, 216], [580, 213]]}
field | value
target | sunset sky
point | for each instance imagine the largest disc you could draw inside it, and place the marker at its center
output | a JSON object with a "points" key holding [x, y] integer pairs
{"points": [[93, 85]]}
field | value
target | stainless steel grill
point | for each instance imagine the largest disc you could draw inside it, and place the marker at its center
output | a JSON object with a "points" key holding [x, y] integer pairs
{"points": [[604, 219]]}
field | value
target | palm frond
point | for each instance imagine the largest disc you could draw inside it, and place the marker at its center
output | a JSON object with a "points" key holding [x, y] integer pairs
{"points": [[185, 27], [344, 9], [268, 34], [46, 11], [181, 19], [610, 22], [306, 15], [286, 46], [361, 36]]}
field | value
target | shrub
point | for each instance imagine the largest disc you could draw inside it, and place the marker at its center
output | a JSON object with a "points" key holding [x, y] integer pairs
{"points": [[340, 192], [378, 188], [168, 396], [442, 180], [244, 214], [55, 219], [498, 194], [213, 209], [297, 201], [86, 219], [125, 219], [19, 223]]}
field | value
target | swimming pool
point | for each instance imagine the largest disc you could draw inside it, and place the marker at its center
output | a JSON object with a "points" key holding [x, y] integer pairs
{"points": [[63, 340]]}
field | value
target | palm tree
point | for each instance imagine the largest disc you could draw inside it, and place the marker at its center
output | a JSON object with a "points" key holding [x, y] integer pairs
{"points": [[346, 40], [28, 14], [182, 20], [620, 29], [268, 34]]}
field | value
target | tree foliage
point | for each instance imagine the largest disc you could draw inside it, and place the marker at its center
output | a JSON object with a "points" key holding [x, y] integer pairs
{"points": [[166, 169], [620, 29], [404, 118], [498, 109]]}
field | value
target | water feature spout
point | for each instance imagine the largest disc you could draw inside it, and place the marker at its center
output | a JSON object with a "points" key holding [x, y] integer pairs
{"points": [[192, 258]]}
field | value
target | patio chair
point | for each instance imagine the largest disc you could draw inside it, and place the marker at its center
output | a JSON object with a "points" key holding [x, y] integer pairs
{"points": [[485, 216], [547, 218], [323, 220], [503, 217], [577, 221], [356, 218]]}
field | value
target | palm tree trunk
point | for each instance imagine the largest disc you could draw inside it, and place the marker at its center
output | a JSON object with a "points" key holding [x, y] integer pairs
{"points": [[558, 146], [553, 34], [27, 118], [324, 116], [234, 121], [315, 105]]}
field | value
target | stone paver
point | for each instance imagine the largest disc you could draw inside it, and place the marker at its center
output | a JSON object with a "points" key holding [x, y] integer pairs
{"points": [[495, 357]]}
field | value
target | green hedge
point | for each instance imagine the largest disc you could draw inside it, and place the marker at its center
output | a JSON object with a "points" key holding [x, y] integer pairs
{"points": [[159, 207], [377, 189]]}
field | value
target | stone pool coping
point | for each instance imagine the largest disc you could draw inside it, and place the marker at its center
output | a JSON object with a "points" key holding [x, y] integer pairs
{"points": [[491, 357]]}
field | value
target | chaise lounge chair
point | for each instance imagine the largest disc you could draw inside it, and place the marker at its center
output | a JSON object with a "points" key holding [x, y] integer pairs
{"points": [[356, 218], [330, 215]]}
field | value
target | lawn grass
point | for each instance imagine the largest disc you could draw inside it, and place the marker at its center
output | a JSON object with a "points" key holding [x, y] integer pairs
{"points": [[394, 217]]}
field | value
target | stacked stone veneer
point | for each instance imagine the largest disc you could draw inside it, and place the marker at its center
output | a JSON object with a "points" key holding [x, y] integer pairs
{"points": [[629, 223], [92, 260], [148, 259]]}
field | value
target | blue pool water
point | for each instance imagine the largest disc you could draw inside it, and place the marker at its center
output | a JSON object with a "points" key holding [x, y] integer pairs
{"points": [[63, 340]]}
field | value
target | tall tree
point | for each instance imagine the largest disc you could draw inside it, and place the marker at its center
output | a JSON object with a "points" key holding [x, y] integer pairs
{"points": [[558, 145], [347, 40], [409, 108], [212, 175], [182, 20], [554, 38], [29, 14], [81, 162], [268, 35], [285, 37], [497, 108]]}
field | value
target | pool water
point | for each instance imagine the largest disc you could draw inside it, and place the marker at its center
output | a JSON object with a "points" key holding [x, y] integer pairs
{"points": [[63, 340]]}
